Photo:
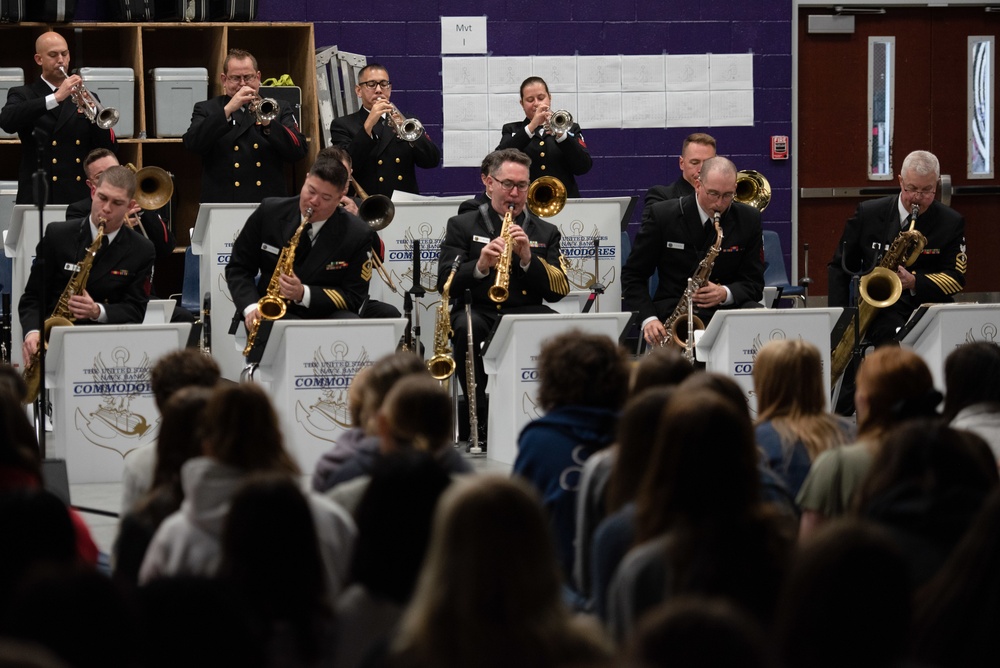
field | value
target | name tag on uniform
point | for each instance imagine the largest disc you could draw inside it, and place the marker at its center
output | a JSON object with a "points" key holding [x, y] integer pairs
{"points": [[479, 239], [675, 245], [69, 266], [268, 248]]}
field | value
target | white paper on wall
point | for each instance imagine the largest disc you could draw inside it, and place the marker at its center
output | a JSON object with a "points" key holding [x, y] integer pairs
{"points": [[464, 148], [504, 108], [599, 73], [600, 110], [687, 73], [644, 110], [559, 72], [466, 112], [687, 109], [463, 75], [731, 107], [507, 73], [731, 71], [643, 73]]}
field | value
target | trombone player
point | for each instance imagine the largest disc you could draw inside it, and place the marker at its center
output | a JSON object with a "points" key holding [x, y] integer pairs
{"points": [[535, 274], [383, 162], [243, 151], [938, 272]]}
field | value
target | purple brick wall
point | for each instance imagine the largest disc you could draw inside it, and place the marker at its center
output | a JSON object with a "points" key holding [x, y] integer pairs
{"points": [[627, 162]]}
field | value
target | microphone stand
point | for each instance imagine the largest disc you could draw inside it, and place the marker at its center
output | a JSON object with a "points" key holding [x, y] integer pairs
{"points": [[597, 288], [40, 191], [417, 291]]}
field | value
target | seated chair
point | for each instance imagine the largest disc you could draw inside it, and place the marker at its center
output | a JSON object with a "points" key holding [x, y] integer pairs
{"points": [[775, 274]]}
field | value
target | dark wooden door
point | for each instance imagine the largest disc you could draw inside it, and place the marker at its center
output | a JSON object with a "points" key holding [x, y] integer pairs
{"points": [[930, 112]]}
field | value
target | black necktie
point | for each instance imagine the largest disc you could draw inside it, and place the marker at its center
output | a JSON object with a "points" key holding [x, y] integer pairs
{"points": [[305, 242], [378, 129]]}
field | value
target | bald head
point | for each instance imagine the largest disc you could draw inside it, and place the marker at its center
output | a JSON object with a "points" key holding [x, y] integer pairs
{"points": [[720, 165], [51, 53]]}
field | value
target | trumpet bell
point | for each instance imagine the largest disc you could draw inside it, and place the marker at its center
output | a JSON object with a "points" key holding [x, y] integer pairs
{"points": [[881, 287], [546, 196], [560, 122], [265, 109], [753, 189], [107, 118], [411, 129]]}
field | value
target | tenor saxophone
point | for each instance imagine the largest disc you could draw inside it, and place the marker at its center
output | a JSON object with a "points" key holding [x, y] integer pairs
{"points": [[442, 364], [501, 285], [680, 316], [272, 305], [61, 315]]}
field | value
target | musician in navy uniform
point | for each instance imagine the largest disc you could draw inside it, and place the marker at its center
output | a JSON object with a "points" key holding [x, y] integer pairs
{"points": [[383, 163], [676, 234], [332, 269], [243, 159], [47, 105], [697, 148], [117, 289], [938, 273], [536, 271], [564, 156]]}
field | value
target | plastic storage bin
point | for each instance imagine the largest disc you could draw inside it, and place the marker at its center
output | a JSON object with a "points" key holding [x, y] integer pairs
{"points": [[175, 91], [114, 87], [9, 78]]}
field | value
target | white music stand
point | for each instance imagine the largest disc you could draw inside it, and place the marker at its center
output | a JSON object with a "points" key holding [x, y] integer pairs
{"points": [[19, 244], [510, 360], [215, 230], [935, 330], [732, 339], [308, 366], [103, 406]]}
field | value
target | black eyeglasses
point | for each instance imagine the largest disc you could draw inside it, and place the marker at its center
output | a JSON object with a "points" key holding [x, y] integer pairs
{"points": [[372, 85], [245, 79]]}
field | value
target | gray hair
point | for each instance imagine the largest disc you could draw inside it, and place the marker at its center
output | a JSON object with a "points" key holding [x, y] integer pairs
{"points": [[920, 163], [507, 155]]}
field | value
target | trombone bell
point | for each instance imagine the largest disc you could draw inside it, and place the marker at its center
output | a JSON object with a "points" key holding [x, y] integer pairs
{"points": [[546, 196], [753, 189]]}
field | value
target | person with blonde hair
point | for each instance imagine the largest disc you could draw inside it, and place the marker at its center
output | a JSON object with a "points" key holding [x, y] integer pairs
{"points": [[793, 426], [489, 591], [893, 385]]}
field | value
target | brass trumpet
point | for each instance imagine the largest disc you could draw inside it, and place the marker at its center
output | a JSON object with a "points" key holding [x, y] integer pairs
{"points": [[378, 211], [101, 116]]}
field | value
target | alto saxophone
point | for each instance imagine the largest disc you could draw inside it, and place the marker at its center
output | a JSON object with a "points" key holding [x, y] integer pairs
{"points": [[500, 288], [442, 364], [698, 279], [272, 306], [61, 315], [905, 249]]}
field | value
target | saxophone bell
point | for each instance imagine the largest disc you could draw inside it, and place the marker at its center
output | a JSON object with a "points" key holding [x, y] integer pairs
{"points": [[442, 364]]}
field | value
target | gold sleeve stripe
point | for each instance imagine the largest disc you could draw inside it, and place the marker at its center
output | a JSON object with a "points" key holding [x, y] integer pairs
{"points": [[366, 271], [336, 298], [947, 284], [557, 279]]}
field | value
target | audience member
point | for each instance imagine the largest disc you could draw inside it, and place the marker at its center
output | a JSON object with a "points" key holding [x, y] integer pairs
{"points": [[240, 438], [926, 485], [793, 426], [957, 612], [701, 525], [972, 391], [697, 633], [348, 442], [173, 371], [846, 601], [615, 534], [271, 555], [394, 527], [489, 592], [664, 365], [177, 442], [583, 379], [893, 384]]}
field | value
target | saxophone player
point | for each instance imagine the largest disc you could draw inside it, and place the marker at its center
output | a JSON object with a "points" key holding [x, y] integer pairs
{"points": [[331, 270], [675, 236], [535, 271], [118, 287]]}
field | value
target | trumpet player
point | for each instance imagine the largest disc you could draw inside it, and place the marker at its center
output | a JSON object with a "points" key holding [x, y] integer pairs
{"points": [[331, 270], [243, 154], [383, 162], [554, 150], [535, 270], [118, 287], [65, 137]]}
